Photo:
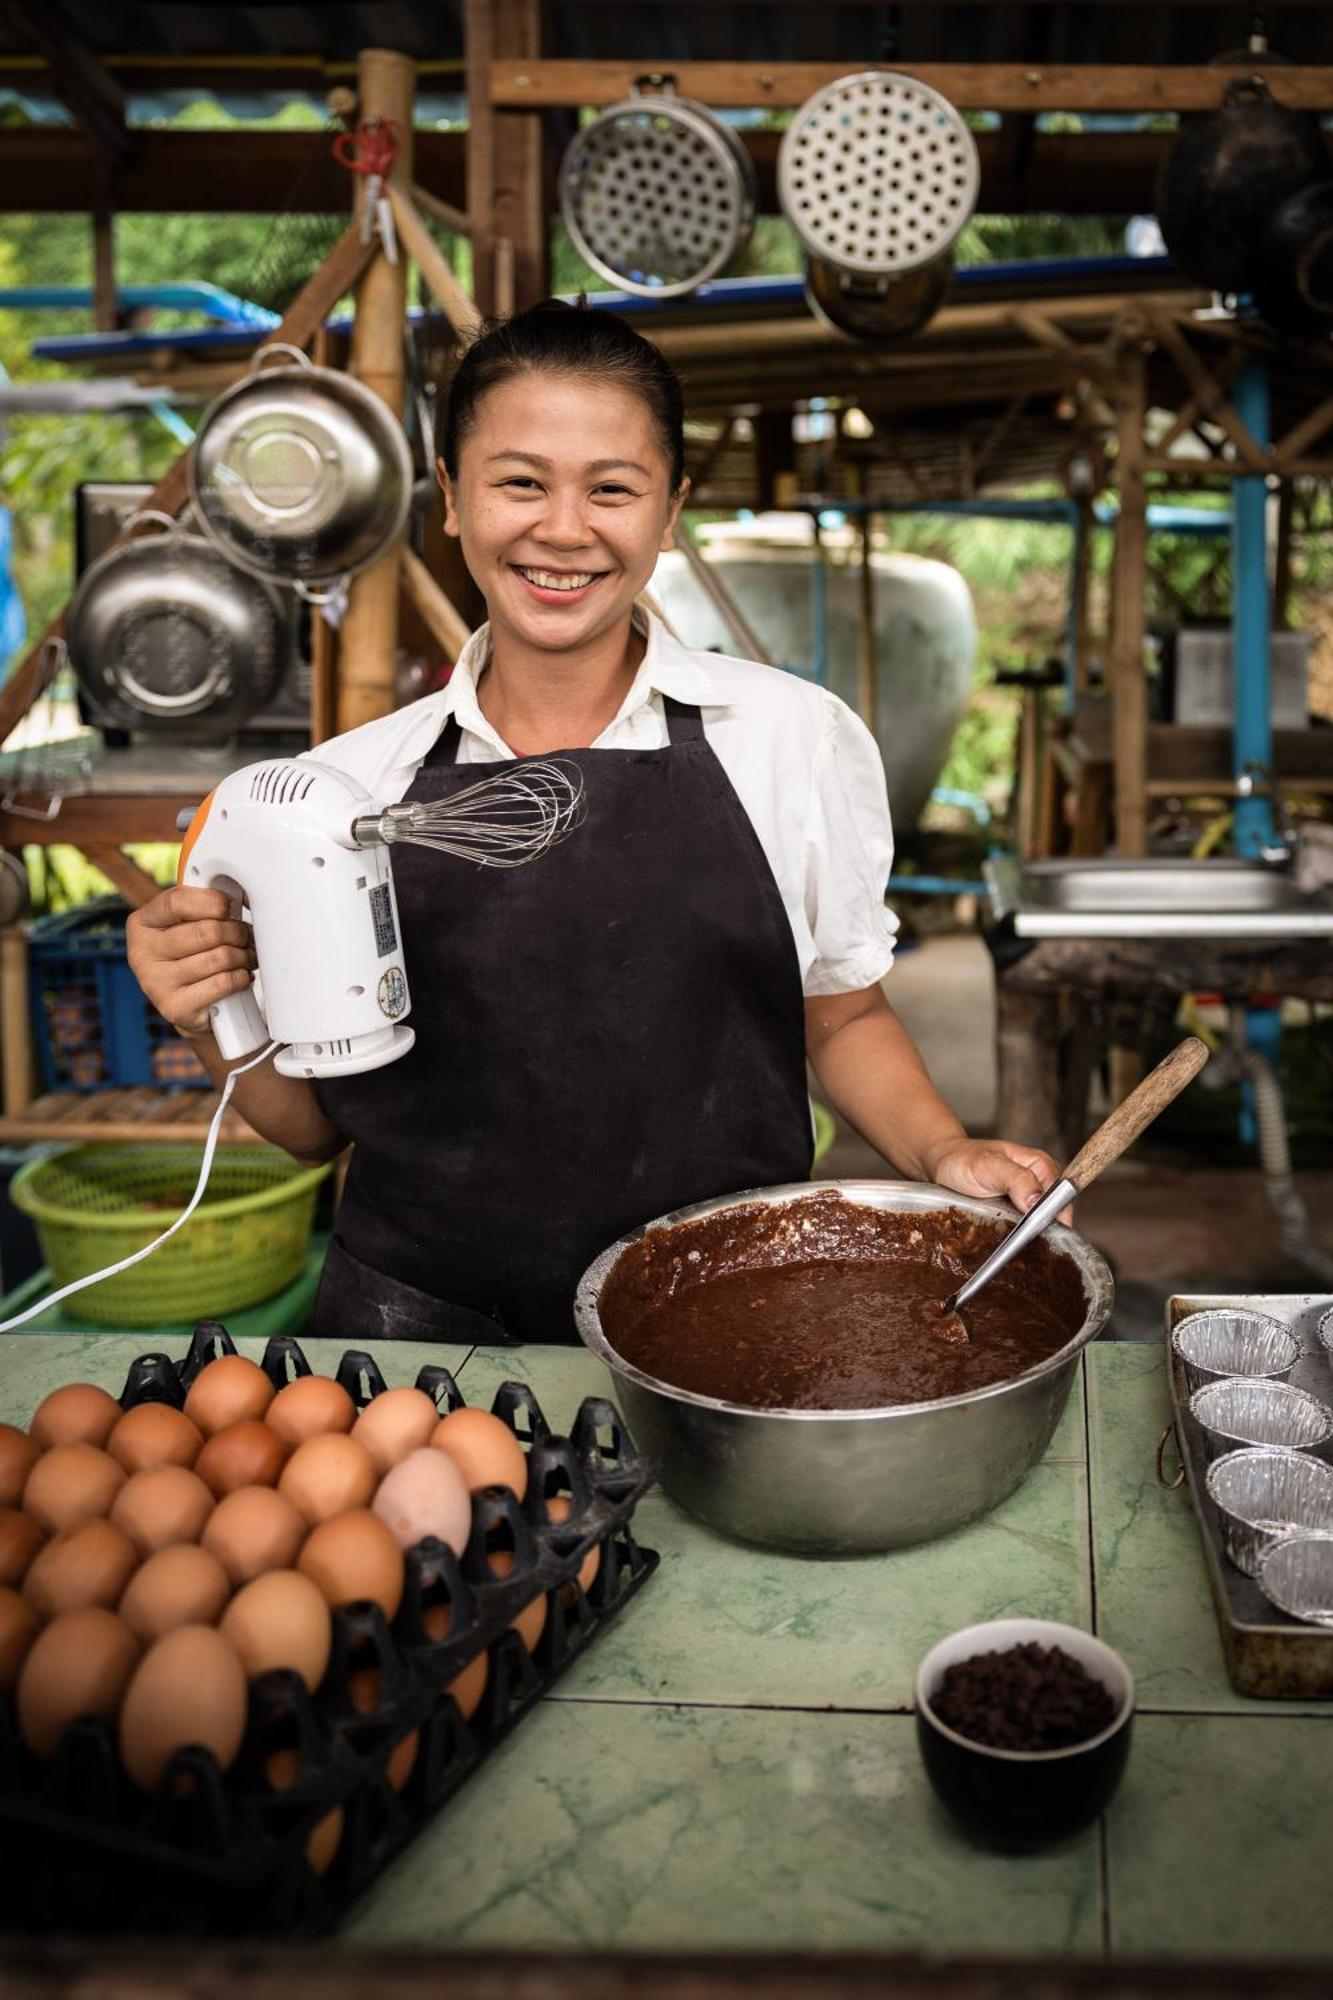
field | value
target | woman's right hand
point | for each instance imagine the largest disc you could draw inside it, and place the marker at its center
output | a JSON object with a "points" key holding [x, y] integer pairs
{"points": [[188, 949]]}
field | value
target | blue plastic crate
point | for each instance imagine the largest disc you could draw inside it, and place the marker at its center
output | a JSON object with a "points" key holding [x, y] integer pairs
{"points": [[93, 1027]]}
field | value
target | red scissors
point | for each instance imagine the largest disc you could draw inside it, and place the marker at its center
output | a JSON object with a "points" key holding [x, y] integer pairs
{"points": [[371, 150]]}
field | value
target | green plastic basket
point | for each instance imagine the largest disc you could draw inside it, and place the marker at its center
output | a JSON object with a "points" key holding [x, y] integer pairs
{"points": [[247, 1239]]}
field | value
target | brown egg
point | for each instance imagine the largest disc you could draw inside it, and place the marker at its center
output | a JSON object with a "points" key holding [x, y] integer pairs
{"points": [[180, 1585], [154, 1434], [189, 1688], [484, 1449], [252, 1531], [244, 1454], [78, 1665], [310, 1407], [166, 1504], [280, 1620], [354, 1556], [468, 1687], [395, 1422], [19, 1626], [425, 1494], [328, 1476], [18, 1455], [228, 1391], [20, 1539], [71, 1483], [87, 1565], [558, 1506], [531, 1620], [77, 1414]]}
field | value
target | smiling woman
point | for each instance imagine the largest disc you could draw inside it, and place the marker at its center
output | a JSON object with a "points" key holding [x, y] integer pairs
{"points": [[621, 1027]]}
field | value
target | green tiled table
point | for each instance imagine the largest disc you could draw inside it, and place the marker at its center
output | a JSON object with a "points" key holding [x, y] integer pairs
{"points": [[734, 1765]]}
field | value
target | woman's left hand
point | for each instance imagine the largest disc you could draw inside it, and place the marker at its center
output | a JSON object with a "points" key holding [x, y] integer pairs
{"points": [[997, 1167]]}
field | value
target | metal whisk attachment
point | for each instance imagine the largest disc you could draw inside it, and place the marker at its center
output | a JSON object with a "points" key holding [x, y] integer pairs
{"points": [[500, 822]]}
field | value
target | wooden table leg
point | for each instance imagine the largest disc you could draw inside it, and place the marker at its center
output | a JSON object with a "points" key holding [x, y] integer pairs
{"points": [[1027, 1027], [15, 1020]]}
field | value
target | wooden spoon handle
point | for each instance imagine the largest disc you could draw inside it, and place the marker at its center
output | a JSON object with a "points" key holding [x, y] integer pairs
{"points": [[1122, 1128]]}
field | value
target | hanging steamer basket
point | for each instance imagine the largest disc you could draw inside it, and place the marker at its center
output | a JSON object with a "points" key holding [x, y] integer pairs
{"points": [[658, 194], [878, 175], [300, 474]]}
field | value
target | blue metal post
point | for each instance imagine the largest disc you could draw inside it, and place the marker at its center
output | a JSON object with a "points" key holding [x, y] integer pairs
{"points": [[1252, 731]]}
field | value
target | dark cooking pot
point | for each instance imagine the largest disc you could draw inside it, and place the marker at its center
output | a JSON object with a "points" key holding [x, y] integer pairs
{"points": [[1293, 273], [166, 636], [1226, 173], [881, 308]]}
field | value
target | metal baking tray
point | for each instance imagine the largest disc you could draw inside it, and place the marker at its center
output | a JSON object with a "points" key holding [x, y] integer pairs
{"points": [[1268, 1654]]}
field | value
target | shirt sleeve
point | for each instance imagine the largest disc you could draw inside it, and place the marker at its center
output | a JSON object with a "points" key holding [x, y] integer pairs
{"points": [[848, 855]]}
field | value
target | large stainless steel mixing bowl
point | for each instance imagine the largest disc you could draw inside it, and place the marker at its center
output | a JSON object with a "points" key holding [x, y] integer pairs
{"points": [[846, 1482]]}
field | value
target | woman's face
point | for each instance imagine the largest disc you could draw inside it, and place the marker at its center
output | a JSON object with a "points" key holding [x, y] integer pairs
{"points": [[561, 505]]}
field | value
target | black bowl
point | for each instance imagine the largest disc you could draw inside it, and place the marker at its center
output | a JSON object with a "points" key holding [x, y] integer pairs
{"points": [[1023, 1799]]}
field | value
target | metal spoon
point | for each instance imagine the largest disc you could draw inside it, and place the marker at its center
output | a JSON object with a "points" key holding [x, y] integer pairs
{"points": [[1112, 1137]]}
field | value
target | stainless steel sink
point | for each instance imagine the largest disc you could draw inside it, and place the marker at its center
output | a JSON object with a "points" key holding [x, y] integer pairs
{"points": [[1156, 898]]}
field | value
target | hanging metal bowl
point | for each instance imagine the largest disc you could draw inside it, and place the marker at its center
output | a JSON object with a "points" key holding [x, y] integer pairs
{"points": [[878, 174], [658, 194], [877, 309], [165, 635], [300, 473]]}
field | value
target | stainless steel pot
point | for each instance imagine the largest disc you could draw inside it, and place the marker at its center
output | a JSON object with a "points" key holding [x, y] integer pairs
{"points": [[300, 473], [166, 636], [846, 1482]]}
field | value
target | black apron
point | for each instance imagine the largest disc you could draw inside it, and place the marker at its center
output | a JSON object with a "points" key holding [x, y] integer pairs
{"points": [[610, 1031]]}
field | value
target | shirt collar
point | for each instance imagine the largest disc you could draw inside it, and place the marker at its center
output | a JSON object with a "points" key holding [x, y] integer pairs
{"points": [[668, 668]]}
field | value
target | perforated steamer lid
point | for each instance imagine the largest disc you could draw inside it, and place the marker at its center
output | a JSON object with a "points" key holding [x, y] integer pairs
{"points": [[657, 194], [878, 173]]}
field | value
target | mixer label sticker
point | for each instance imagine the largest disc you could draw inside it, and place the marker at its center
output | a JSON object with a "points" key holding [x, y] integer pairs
{"points": [[381, 915], [392, 993]]}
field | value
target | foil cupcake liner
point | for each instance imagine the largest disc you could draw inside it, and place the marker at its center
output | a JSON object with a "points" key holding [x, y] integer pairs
{"points": [[1325, 1331], [1222, 1342], [1296, 1574], [1244, 1411], [1265, 1495]]}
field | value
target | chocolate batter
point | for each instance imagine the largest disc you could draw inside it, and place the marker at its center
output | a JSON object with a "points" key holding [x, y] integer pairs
{"points": [[823, 1304]]}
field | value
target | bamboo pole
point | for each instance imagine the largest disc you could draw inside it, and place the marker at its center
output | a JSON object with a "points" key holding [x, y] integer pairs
{"points": [[445, 621], [426, 254], [369, 636]]}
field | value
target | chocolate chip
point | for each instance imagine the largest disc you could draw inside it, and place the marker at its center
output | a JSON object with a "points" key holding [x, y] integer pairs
{"points": [[1029, 1698]]}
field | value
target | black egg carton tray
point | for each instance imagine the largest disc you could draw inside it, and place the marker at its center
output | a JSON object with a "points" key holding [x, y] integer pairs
{"points": [[210, 1852]]}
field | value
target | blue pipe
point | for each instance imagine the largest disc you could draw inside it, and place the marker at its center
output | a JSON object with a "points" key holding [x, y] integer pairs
{"points": [[1252, 731], [189, 296]]}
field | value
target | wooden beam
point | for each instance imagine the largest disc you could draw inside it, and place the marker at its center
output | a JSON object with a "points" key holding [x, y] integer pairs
{"points": [[203, 173], [135, 884], [504, 154], [1023, 87], [434, 267], [92, 819], [368, 640], [1129, 686], [79, 79], [16, 1068], [445, 622]]}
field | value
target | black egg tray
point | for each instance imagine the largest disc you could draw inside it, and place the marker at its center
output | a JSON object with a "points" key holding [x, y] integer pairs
{"points": [[225, 1853]]}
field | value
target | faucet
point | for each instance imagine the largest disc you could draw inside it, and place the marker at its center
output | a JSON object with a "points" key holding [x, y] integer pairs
{"points": [[1256, 780]]}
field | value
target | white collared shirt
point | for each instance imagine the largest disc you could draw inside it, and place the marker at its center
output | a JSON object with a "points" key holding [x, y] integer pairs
{"points": [[806, 770]]}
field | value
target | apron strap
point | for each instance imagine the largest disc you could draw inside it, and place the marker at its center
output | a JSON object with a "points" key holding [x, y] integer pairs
{"points": [[684, 725]]}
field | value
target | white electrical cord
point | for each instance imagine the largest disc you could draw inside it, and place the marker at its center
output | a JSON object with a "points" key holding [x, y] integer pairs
{"points": [[210, 1147]]}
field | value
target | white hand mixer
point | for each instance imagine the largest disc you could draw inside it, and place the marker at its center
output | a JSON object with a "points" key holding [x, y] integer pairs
{"points": [[305, 849]]}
